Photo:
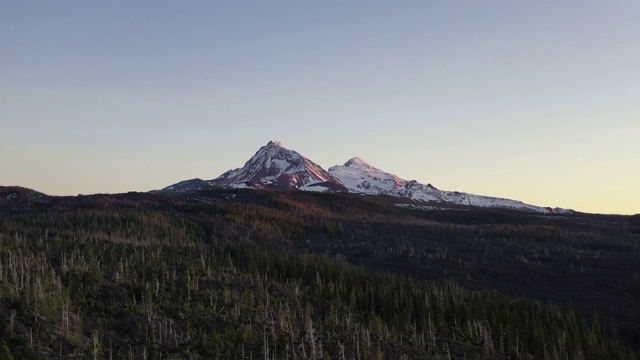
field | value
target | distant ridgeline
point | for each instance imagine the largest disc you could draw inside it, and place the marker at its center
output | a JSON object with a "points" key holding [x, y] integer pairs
{"points": [[274, 166]]}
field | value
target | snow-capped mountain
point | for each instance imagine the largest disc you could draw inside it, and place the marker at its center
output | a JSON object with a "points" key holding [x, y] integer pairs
{"points": [[361, 177], [272, 165]]}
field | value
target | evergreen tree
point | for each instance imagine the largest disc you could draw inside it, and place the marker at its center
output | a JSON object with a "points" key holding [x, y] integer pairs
{"points": [[5, 354]]}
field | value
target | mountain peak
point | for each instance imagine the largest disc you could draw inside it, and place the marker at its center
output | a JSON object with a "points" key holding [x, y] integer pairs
{"points": [[277, 143], [275, 165], [358, 162]]}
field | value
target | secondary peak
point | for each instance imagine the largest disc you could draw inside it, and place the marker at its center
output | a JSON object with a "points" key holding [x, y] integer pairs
{"points": [[357, 162]]}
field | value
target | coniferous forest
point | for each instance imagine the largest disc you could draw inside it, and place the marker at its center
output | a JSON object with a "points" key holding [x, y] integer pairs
{"points": [[248, 274]]}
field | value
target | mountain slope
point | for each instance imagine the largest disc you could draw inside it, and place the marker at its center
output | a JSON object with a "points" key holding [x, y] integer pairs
{"points": [[189, 185], [361, 177], [16, 198]]}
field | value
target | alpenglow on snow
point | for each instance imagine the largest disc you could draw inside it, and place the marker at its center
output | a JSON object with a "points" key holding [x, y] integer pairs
{"points": [[275, 166]]}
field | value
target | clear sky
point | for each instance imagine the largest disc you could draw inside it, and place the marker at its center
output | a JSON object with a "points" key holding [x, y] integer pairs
{"points": [[537, 101]]}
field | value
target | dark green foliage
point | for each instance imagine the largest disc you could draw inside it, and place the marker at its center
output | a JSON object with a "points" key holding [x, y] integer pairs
{"points": [[233, 275], [4, 351]]}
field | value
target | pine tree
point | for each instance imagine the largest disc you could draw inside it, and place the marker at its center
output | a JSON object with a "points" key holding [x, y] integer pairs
{"points": [[4, 351]]}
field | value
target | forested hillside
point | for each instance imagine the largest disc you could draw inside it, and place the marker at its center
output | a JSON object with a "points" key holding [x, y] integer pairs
{"points": [[248, 274]]}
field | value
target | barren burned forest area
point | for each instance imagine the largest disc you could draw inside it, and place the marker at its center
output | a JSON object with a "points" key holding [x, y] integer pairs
{"points": [[233, 274]]}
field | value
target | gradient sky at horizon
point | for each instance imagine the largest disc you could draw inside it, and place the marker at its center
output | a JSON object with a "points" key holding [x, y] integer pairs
{"points": [[530, 100]]}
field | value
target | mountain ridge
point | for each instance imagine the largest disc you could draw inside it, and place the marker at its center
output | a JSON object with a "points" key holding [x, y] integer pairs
{"points": [[275, 166]]}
